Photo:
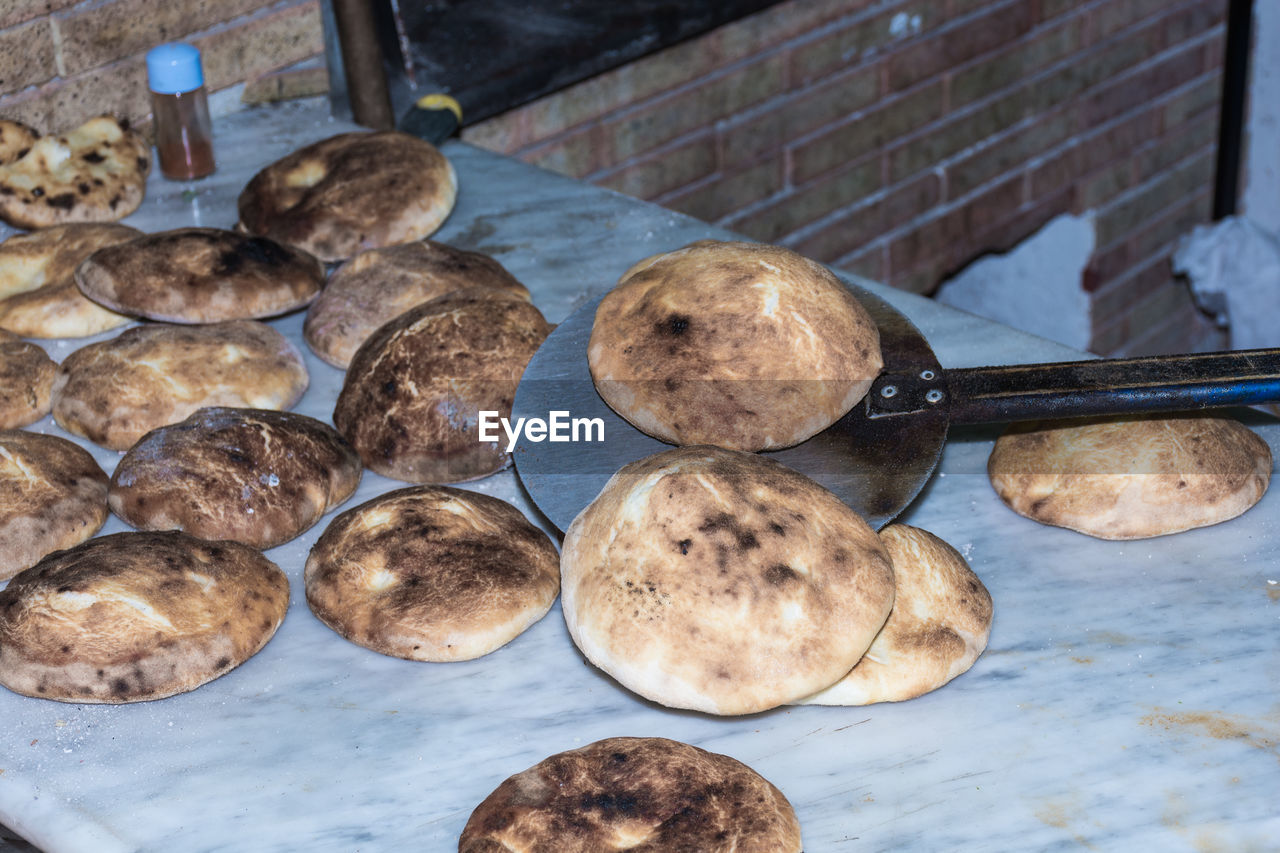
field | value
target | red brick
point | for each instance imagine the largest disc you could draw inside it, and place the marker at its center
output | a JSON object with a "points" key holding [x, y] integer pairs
{"points": [[858, 40], [1116, 297], [936, 143], [1114, 15], [720, 96], [1202, 95], [725, 193], [1162, 322], [99, 33], [950, 46], [1176, 145], [853, 230], [26, 56], [1194, 20], [869, 262], [1007, 153], [1151, 238], [261, 43], [750, 35], [1102, 185], [955, 233], [1143, 85], [574, 154], [749, 138], [1011, 67], [867, 132], [1149, 201], [505, 133], [119, 88], [17, 11], [810, 203], [664, 171]]}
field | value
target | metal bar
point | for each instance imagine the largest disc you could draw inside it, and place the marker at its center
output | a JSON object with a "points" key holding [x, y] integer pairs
{"points": [[362, 61]]}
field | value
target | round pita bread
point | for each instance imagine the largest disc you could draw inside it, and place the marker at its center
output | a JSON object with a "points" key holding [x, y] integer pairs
{"points": [[1130, 478], [201, 275], [137, 616], [26, 381], [351, 192], [412, 396], [432, 573], [255, 476], [740, 345], [115, 391], [95, 173], [38, 293], [16, 140], [939, 625], [635, 794], [721, 581], [53, 495], [378, 285]]}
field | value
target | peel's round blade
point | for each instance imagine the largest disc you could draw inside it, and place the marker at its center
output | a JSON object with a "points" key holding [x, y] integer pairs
{"points": [[875, 462]]}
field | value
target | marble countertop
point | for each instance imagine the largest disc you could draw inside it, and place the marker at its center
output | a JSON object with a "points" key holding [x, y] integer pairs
{"points": [[1127, 701]]}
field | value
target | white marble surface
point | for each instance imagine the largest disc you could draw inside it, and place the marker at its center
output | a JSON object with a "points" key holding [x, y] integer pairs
{"points": [[1128, 699]]}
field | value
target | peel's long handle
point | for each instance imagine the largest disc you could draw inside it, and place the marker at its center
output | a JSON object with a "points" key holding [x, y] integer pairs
{"points": [[980, 395]]}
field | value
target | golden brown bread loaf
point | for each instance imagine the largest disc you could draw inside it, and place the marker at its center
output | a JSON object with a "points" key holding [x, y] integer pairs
{"points": [[378, 285], [252, 475], [628, 793], [411, 398], [53, 495], [1130, 478], [115, 391], [432, 573], [38, 293], [16, 140], [200, 275], [721, 581], [740, 345], [351, 192], [136, 616], [94, 173], [26, 381], [939, 625]]}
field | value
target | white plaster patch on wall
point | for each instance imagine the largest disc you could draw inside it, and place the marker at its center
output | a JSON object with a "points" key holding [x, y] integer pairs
{"points": [[1261, 195], [1035, 287], [903, 24]]}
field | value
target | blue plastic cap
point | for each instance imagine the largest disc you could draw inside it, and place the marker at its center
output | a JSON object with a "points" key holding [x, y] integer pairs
{"points": [[174, 68]]}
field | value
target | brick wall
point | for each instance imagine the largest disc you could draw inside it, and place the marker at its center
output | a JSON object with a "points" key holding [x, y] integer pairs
{"points": [[901, 139], [63, 61]]}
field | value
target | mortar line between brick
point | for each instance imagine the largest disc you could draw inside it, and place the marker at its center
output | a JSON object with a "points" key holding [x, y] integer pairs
{"points": [[1131, 193]]}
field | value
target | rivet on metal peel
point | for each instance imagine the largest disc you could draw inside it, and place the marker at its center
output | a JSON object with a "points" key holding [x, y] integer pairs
{"points": [[933, 396], [888, 391], [927, 375]]}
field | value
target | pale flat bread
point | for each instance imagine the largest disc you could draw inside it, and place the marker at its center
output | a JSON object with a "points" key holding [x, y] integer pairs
{"points": [[351, 192], [740, 345], [16, 140], [412, 396], [378, 285], [432, 573], [95, 173], [26, 381], [201, 275], [52, 495], [721, 581], [38, 293], [137, 616], [114, 392], [636, 794], [256, 476], [1131, 478], [939, 625]]}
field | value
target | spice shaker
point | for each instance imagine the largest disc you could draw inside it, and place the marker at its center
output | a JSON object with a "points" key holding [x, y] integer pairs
{"points": [[180, 109]]}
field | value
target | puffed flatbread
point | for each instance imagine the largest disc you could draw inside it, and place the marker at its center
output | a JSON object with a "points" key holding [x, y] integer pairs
{"points": [[137, 616], [95, 173], [1131, 478], [740, 345], [255, 476], [53, 495], [411, 400], [627, 793], [38, 293], [351, 192], [26, 381], [115, 391], [721, 581], [201, 275], [16, 140], [378, 285], [432, 573], [939, 625]]}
